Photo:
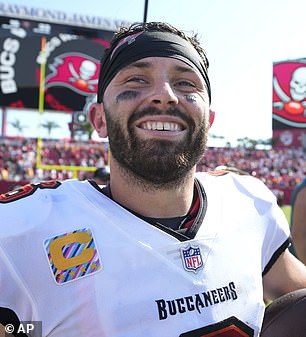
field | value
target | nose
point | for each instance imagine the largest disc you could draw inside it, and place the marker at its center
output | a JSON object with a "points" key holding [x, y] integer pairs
{"points": [[163, 94]]}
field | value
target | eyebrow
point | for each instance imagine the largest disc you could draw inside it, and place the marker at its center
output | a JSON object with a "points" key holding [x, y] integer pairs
{"points": [[138, 64], [146, 64]]}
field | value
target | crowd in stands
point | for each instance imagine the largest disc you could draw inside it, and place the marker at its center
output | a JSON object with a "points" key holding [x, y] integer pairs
{"points": [[279, 169], [18, 158]]}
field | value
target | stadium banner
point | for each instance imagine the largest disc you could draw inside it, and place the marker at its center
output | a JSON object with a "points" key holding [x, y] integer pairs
{"points": [[289, 94], [286, 138], [72, 54], [289, 103]]}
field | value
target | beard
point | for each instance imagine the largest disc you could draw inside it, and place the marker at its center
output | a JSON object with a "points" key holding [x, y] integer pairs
{"points": [[156, 162]]}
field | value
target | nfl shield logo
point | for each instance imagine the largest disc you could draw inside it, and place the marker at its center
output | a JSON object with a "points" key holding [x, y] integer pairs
{"points": [[192, 258]]}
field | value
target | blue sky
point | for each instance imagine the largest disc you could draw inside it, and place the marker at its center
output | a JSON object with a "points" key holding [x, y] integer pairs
{"points": [[242, 39]]}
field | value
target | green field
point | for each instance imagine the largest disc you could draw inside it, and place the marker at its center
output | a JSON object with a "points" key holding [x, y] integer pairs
{"points": [[287, 210]]}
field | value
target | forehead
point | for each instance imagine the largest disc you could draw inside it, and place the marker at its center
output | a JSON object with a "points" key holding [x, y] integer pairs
{"points": [[161, 63]]}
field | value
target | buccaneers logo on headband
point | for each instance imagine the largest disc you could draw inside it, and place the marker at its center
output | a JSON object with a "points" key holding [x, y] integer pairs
{"points": [[129, 39]]}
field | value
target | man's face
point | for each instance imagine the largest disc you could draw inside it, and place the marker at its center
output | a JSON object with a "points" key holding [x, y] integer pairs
{"points": [[157, 116]]}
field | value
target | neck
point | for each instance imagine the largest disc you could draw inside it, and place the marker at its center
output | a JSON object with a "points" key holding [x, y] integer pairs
{"points": [[148, 200]]}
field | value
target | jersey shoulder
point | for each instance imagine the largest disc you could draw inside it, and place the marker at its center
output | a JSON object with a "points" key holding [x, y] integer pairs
{"points": [[30, 205], [26, 191], [228, 181], [32, 191]]}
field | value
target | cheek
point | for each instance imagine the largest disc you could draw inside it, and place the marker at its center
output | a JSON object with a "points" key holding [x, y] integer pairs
{"points": [[191, 98], [115, 120], [202, 114], [127, 95]]}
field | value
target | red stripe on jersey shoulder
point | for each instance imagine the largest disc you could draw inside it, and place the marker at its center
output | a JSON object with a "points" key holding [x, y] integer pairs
{"points": [[218, 173], [27, 190]]}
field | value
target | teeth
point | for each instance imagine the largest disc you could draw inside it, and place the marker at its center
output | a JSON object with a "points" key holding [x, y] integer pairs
{"points": [[161, 126]]}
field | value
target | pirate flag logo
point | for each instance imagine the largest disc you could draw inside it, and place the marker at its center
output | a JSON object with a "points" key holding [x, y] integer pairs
{"points": [[76, 71], [289, 93]]}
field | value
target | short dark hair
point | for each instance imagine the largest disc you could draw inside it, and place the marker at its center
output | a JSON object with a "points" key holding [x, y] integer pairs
{"points": [[125, 31]]}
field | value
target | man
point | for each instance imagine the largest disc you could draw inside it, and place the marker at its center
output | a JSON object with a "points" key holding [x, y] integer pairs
{"points": [[159, 251], [298, 220]]}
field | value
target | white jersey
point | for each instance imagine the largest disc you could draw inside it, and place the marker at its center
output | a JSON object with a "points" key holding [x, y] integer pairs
{"points": [[81, 264]]}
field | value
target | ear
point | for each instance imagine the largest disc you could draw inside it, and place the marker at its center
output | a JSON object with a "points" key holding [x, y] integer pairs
{"points": [[211, 117], [97, 119]]}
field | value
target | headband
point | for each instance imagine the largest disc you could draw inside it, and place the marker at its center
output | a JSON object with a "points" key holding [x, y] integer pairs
{"points": [[149, 44]]}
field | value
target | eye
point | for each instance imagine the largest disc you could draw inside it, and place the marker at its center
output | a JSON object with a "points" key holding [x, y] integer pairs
{"points": [[136, 79], [185, 85]]}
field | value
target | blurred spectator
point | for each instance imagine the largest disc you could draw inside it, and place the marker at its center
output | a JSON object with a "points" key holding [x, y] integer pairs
{"points": [[101, 175]]}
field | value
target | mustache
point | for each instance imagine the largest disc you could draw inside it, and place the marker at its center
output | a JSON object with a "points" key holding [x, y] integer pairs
{"points": [[153, 111]]}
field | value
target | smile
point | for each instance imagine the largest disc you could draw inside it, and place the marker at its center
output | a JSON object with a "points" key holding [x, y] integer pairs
{"points": [[161, 126]]}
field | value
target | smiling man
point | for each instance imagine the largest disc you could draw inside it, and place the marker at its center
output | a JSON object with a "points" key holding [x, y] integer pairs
{"points": [[161, 250]]}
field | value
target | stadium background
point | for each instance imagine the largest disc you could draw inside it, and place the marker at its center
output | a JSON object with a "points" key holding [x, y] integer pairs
{"points": [[49, 65]]}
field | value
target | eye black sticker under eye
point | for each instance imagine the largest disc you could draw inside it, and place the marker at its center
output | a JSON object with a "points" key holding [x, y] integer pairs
{"points": [[191, 98], [129, 94]]}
